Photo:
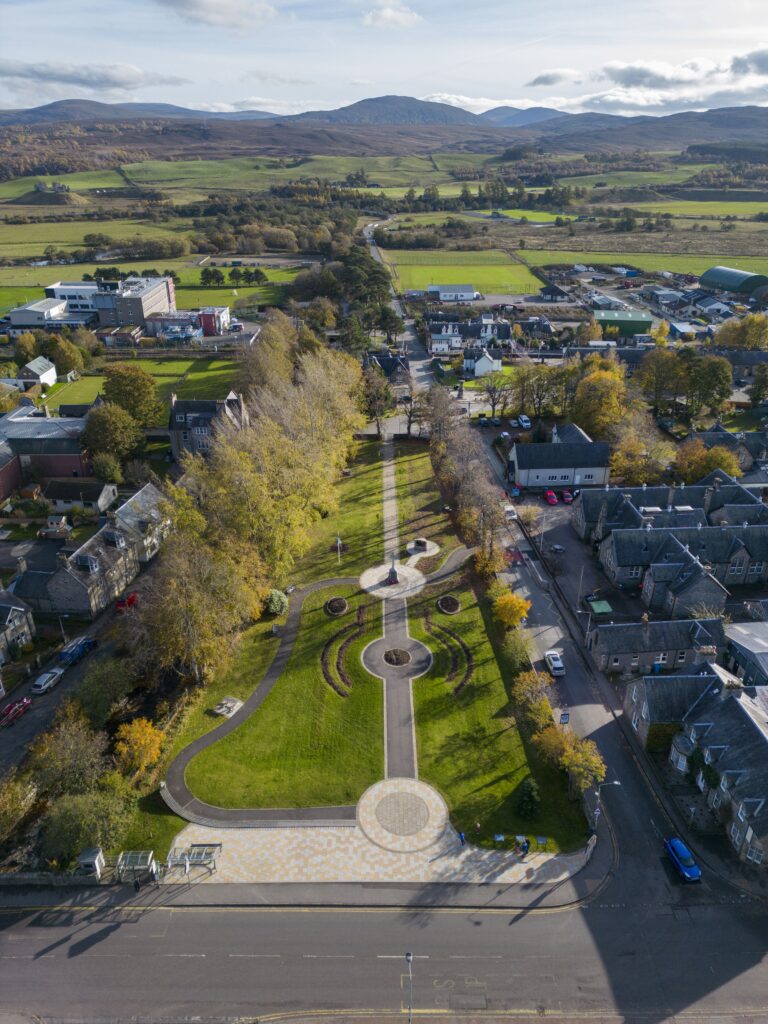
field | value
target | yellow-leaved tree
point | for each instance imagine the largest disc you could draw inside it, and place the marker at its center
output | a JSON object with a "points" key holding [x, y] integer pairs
{"points": [[510, 610], [138, 744]]}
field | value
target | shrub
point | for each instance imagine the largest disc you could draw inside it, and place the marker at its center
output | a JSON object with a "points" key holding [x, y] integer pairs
{"points": [[69, 758], [528, 799], [16, 797], [107, 467], [276, 603], [85, 819], [138, 744], [104, 685]]}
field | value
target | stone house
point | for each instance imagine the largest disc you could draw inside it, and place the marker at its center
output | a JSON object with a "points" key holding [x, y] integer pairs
{"points": [[17, 626], [192, 422], [87, 493], [664, 646], [747, 652]]}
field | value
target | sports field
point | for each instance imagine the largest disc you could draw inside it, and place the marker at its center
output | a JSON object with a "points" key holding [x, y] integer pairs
{"points": [[676, 263], [488, 270]]}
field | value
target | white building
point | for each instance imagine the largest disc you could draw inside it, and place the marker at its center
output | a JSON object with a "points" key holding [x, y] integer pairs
{"points": [[452, 292]]}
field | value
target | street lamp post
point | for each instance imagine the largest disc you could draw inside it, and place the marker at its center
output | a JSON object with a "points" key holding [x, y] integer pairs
{"points": [[409, 961], [598, 812]]}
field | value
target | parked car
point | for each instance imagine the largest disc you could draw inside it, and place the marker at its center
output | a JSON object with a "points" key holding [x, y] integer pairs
{"points": [[566, 497], [17, 709], [682, 860], [496, 421], [77, 649], [514, 424], [524, 422], [127, 601], [557, 549], [4, 712], [482, 421], [550, 497], [554, 663], [46, 681], [510, 513]]}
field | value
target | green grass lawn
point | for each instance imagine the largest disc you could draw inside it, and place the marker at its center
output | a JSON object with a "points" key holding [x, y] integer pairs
{"points": [[419, 505], [488, 270], [650, 261], [306, 746], [78, 181], [704, 208], [17, 240], [39, 277], [534, 216], [619, 179], [154, 826], [469, 745], [18, 296], [358, 522]]}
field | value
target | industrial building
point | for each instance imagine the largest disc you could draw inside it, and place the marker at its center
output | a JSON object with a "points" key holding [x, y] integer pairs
{"points": [[628, 321], [728, 279]]}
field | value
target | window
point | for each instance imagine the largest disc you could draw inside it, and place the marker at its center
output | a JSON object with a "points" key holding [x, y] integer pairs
{"points": [[635, 721], [634, 694], [634, 571], [735, 833], [755, 854], [735, 567], [635, 659], [742, 815], [700, 780], [185, 435], [723, 784], [660, 659], [681, 655], [756, 567], [682, 762], [645, 710], [564, 476], [716, 799], [616, 660], [589, 476], [707, 757], [179, 419], [552, 476]]}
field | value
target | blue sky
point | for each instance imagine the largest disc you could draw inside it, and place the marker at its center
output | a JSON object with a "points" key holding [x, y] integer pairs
{"points": [[290, 55]]}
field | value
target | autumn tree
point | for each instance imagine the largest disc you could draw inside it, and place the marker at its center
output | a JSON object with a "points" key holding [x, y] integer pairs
{"points": [[495, 387], [639, 455], [377, 395], [585, 767], [750, 332], [17, 795], [510, 610], [758, 390], [658, 378], [694, 461], [138, 744], [599, 403], [26, 348], [65, 355], [660, 334], [588, 330], [530, 687], [709, 383], [553, 742], [131, 388], [113, 430], [70, 757]]}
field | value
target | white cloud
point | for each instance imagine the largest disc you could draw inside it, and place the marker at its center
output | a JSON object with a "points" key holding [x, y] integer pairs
{"points": [[121, 77], [552, 76], [222, 13], [477, 104], [391, 14]]}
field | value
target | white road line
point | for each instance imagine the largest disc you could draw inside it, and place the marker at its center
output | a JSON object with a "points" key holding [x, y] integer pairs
{"points": [[201, 955], [255, 956], [328, 956], [399, 956], [461, 956]]}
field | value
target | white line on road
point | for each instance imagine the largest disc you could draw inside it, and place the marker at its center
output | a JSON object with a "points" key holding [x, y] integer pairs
{"points": [[185, 954], [256, 955], [328, 956], [399, 956], [462, 956]]}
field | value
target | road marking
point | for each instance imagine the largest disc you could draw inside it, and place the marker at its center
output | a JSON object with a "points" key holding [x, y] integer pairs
{"points": [[400, 956], [327, 956], [254, 956], [201, 955], [462, 956]]}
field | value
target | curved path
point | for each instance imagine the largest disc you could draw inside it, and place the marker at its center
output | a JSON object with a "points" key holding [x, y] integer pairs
{"points": [[400, 742]]}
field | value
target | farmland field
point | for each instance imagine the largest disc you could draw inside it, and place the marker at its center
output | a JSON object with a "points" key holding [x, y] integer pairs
{"points": [[697, 208], [534, 216], [18, 240], [79, 181], [675, 263], [488, 270], [618, 179]]}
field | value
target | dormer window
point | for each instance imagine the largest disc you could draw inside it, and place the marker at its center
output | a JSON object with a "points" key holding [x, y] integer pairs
{"points": [[723, 784], [179, 419], [742, 813]]}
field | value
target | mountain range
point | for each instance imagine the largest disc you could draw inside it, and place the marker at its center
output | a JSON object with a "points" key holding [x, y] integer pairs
{"points": [[413, 124]]}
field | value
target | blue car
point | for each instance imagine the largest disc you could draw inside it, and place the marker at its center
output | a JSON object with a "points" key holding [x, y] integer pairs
{"points": [[682, 858]]}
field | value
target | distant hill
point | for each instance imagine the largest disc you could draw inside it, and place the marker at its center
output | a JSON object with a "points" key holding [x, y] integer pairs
{"points": [[403, 110], [516, 117], [89, 110]]}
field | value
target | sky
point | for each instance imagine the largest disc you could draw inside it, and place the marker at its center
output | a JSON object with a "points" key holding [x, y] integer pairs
{"points": [[286, 56]]}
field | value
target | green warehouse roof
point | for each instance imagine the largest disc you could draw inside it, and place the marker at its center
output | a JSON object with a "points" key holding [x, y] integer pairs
{"points": [[728, 279], [623, 316]]}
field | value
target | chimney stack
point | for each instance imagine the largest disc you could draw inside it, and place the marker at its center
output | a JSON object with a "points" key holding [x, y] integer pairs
{"points": [[21, 565]]}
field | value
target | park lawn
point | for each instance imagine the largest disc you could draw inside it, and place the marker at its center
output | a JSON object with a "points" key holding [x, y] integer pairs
{"points": [[86, 389], [649, 261], [469, 745], [211, 379], [18, 296], [358, 521], [306, 746], [163, 367], [419, 504], [154, 826]]}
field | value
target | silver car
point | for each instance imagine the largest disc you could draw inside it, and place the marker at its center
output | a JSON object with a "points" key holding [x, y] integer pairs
{"points": [[554, 663]]}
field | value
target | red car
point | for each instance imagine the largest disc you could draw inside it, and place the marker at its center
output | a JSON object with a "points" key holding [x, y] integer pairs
{"points": [[129, 601], [567, 497], [550, 497], [16, 710]]}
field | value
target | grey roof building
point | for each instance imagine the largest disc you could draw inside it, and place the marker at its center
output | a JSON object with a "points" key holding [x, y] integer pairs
{"points": [[747, 654], [565, 464], [662, 646], [192, 422]]}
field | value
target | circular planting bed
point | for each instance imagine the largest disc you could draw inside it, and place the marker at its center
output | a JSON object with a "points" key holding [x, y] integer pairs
{"points": [[449, 605], [336, 606], [397, 656]]}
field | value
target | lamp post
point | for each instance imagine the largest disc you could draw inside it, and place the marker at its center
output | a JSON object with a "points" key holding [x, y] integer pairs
{"points": [[338, 547], [613, 782], [409, 961]]}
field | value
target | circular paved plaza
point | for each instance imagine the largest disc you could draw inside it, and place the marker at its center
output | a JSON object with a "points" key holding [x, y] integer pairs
{"points": [[402, 815], [410, 581]]}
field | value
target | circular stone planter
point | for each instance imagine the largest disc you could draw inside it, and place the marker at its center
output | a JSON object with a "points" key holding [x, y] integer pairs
{"points": [[448, 605], [336, 606], [397, 656]]}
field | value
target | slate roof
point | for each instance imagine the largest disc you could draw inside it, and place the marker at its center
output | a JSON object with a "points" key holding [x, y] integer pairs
{"points": [[567, 456], [740, 357], [143, 509], [710, 544], [33, 585], [571, 433], [10, 603], [38, 366], [670, 697], [74, 489], [200, 412], [651, 637]]}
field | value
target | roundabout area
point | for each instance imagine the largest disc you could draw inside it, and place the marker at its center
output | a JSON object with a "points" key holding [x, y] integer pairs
{"points": [[402, 815]]}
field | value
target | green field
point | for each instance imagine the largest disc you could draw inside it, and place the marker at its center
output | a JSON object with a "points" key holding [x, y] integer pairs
{"points": [[79, 182], [619, 179], [306, 746], [534, 216], [18, 296], [489, 270], [698, 208], [41, 276], [17, 240], [676, 263]]}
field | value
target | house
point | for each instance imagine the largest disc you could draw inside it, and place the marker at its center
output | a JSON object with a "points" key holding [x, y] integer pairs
{"points": [[38, 371], [449, 336], [747, 652], [554, 293], [724, 740], [86, 493], [655, 705], [128, 336], [749, 446], [17, 627], [451, 292], [481, 361], [559, 465], [87, 580], [662, 646], [743, 362], [396, 368], [192, 422], [33, 441]]}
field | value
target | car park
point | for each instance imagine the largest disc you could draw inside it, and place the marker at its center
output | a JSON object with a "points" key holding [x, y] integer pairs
{"points": [[567, 497], [550, 497], [524, 422], [554, 663], [682, 860], [46, 681], [17, 709]]}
